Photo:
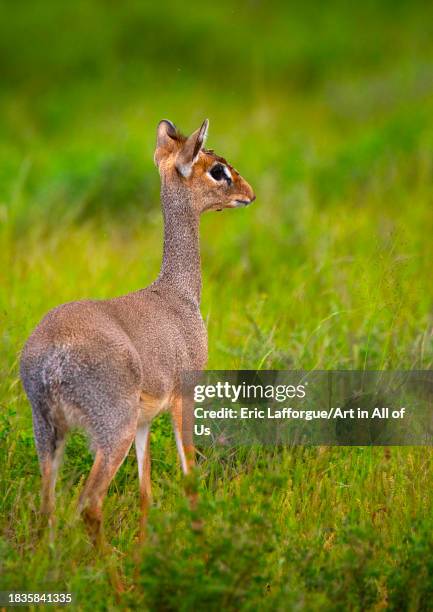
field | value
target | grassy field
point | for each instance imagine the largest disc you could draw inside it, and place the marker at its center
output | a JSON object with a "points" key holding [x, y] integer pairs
{"points": [[328, 113]]}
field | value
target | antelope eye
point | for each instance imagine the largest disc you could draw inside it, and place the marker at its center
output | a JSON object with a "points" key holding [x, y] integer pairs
{"points": [[218, 172]]}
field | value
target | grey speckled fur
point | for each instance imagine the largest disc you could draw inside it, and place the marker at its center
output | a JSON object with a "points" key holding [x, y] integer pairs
{"points": [[91, 363]]}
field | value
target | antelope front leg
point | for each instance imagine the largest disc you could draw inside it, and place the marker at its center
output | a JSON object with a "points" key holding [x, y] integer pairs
{"points": [[142, 447], [183, 425]]}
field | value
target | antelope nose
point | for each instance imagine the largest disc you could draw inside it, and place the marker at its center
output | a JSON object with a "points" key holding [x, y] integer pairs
{"points": [[251, 196]]}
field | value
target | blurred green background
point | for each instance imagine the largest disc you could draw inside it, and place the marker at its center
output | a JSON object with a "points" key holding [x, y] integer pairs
{"points": [[326, 109]]}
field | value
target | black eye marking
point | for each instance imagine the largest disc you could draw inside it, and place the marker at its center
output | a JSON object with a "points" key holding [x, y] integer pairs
{"points": [[218, 172]]}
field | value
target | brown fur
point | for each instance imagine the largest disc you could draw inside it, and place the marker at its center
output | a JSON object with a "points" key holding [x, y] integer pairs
{"points": [[111, 366]]}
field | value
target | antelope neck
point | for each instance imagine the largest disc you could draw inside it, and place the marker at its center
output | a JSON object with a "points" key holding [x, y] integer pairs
{"points": [[181, 265]]}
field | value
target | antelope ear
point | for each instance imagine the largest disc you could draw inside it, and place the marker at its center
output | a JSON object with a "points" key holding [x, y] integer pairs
{"points": [[188, 155], [166, 136]]}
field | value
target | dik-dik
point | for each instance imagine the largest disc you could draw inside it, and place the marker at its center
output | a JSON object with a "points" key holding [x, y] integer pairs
{"points": [[110, 366]]}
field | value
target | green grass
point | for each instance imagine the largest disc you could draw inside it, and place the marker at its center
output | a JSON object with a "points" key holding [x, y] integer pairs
{"points": [[327, 112]]}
